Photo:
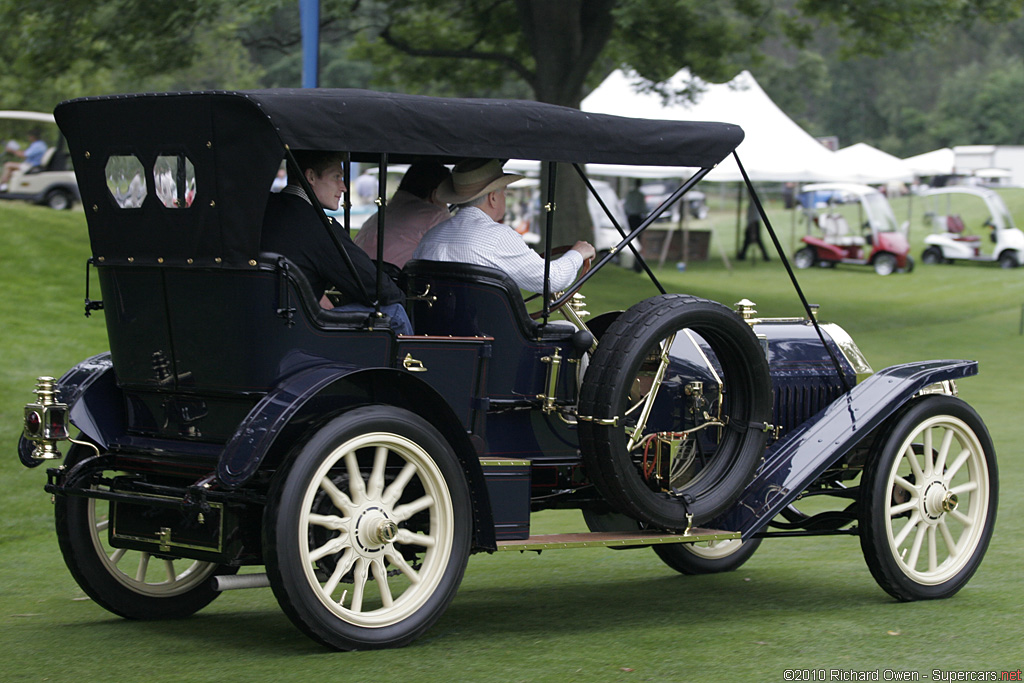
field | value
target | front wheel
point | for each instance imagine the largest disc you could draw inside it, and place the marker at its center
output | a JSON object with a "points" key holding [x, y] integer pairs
{"points": [[885, 263], [59, 200], [929, 503], [932, 256], [129, 583], [805, 258], [367, 534], [1008, 259]]}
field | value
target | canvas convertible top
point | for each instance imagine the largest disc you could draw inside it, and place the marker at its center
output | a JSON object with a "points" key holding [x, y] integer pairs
{"points": [[236, 141]]}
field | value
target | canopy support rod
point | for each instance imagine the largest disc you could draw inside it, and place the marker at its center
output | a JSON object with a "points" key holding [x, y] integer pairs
{"points": [[622, 233], [327, 223], [683, 189], [382, 207], [549, 225], [789, 269]]}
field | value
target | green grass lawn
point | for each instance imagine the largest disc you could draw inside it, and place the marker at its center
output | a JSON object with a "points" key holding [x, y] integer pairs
{"points": [[574, 615]]}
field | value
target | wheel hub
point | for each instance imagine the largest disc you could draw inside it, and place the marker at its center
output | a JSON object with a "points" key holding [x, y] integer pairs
{"points": [[938, 500], [373, 530]]}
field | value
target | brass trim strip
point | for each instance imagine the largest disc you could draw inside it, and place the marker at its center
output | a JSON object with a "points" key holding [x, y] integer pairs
{"points": [[614, 539]]}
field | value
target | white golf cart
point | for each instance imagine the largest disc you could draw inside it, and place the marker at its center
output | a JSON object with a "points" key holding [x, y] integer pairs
{"points": [[950, 240], [52, 182]]}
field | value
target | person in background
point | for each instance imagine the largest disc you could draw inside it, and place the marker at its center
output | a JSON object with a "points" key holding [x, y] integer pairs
{"points": [[476, 235], [291, 228], [32, 155], [412, 211], [635, 206]]}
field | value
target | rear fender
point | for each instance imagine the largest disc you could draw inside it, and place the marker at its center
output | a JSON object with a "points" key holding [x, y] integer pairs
{"points": [[286, 415]]}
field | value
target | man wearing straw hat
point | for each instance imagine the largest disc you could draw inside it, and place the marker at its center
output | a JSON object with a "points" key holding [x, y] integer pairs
{"points": [[476, 235]]}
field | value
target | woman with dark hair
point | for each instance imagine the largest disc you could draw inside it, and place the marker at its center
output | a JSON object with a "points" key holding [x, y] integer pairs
{"points": [[413, 211]]}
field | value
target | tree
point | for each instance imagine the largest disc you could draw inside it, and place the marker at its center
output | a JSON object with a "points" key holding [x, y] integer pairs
{"points": [[562, 48]]}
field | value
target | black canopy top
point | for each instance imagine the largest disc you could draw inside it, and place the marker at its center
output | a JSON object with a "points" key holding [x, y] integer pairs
{"points": [[236, 140]]}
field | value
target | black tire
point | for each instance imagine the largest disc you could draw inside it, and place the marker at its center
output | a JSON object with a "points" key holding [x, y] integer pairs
{"points": [[1008, 259], [171, 588], [932, 256], [884, 263], [59, 200], [909, 511], [710, 477], [377, 548], [909, 268], [805, 258], [713, 557]]}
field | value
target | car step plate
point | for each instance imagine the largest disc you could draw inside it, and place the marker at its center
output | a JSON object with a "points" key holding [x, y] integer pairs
{"points": [[604, 539]]}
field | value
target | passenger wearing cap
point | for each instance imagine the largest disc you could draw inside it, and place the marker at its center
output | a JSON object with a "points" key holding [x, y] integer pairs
{"points": [[475, 234], [412, 211]]}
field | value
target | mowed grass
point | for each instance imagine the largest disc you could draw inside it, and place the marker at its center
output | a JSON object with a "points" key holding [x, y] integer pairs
{"points": [[575, 615]]}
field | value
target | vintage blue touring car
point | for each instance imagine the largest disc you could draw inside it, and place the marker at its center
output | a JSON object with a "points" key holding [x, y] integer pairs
{"points": [[235, 423]]}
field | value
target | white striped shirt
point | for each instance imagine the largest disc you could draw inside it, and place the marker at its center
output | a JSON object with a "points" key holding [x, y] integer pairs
{"points": [[470, 236]]}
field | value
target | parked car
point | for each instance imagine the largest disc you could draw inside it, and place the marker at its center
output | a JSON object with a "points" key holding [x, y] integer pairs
{"points": [[695, 201], [951, 241], [234, 423], [875, 239], [53, 182]]}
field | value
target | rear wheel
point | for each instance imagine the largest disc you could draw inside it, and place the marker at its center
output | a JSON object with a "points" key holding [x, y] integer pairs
{"points": [[1008, 259], [709, 557], [129, 583], [368, 534], [805, 258], [929, 503], [884, 263], [932, 256], [672, 411], [59, 200]]}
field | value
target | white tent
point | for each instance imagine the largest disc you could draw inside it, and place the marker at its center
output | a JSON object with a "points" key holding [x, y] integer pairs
{"points": [[868, 165], [774, 149], [937, 162]]}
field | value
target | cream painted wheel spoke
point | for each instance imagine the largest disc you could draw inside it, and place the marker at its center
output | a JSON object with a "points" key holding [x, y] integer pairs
{"points": [[963, 457], [940, 462], [380, 575], [344, 564], [915, 549], [140, 572], [897, 510], [407, 537], [967, 487], [397, 487], [915, 466], [359, 577], [905, 485], [933, 560], [332, 547], [947, 537], [116, 556], [376, 483], [332, 522], [404, 512], [339, 498], [928, 454], [356, 485], [395, 558], [915, 519]]}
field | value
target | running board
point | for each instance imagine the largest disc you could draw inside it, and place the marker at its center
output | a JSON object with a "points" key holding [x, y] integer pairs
{"points": [[614, 539]]}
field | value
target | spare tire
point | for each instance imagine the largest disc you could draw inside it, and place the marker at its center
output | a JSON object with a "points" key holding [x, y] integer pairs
{"points": [[698, 475]]}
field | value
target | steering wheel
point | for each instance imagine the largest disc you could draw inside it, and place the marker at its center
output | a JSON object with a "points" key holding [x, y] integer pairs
{"points": [[557, 251]]}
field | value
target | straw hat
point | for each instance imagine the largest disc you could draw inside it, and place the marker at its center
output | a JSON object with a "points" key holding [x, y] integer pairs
{"points": [[474, 178]]}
